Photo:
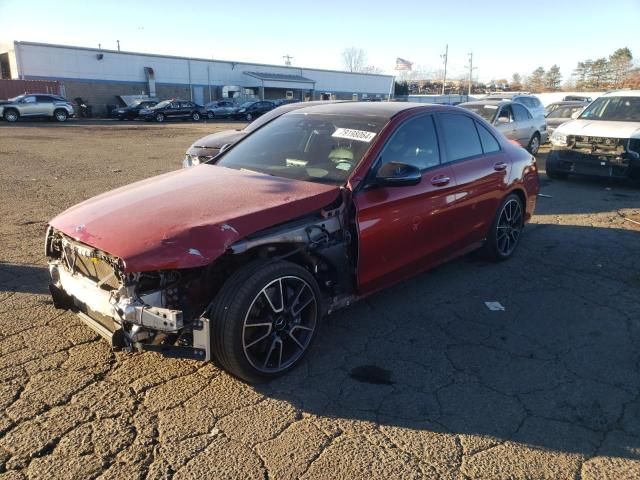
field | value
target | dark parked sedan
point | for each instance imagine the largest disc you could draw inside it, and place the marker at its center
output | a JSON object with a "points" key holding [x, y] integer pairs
{"points": [[239, 259], [251, 110], [560, 112], [132, 111], [174, 109]]}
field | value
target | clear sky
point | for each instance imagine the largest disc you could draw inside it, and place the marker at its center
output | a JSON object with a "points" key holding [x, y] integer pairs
{"points": [[505, 36]]}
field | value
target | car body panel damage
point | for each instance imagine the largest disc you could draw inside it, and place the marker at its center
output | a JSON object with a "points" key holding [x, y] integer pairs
{"points": [[173, 221]]}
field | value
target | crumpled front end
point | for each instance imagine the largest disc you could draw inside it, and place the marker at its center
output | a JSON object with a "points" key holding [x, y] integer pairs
{"points": [[597, 156], [159, 311]]}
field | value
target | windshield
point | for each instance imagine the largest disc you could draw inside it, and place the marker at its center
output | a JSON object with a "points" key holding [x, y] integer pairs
{"points": [[309, 147], [488, 112], [620, 109], [15, 99], [163, 103], [246, 104]]}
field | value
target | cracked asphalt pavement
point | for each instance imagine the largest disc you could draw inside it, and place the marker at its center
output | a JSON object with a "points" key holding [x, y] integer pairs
{"points": [[419, 381]]}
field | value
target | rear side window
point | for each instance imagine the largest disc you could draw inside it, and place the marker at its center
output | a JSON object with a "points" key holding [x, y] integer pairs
{"points": [[489, 143], [460, 136], [44, 99], [520, 113]]}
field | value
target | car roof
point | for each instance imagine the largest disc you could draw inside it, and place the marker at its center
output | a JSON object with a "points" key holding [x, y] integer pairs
{"points": [[570, 102], [498, 103], [623, 93], [378, 109]]}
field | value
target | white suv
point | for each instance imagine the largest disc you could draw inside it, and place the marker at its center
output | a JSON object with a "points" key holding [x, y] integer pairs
{"points": [[603, 141], [31, 105]]}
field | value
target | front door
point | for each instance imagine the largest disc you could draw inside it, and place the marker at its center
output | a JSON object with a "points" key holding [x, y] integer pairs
{"points": [[506, 123], [403, 229]]}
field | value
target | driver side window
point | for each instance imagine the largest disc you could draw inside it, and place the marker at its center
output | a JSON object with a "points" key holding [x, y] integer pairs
{"points": [[506, 115], [413, 143]]}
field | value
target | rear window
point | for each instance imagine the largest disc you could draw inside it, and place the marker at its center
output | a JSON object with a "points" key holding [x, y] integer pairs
{"points": [[460, 136]]}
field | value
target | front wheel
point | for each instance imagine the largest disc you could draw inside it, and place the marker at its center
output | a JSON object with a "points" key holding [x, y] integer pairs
{"points": [[11, 116], [248, 117], [159, 117], [211, 115], [195, 116], [265, 318], [504, 236]]}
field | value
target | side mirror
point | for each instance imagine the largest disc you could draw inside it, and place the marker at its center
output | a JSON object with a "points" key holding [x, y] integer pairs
{"points": [[502, 120], [396, 174]]}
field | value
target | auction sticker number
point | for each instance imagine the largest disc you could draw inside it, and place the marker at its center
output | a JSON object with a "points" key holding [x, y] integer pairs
{"points": [[351, 134]]}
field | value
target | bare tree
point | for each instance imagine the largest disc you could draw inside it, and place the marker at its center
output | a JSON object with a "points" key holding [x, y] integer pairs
{"points": [[354, 59], [371, 69]]}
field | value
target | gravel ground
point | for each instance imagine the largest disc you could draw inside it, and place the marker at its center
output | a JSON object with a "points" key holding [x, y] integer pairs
{"points": [[420, 381]]}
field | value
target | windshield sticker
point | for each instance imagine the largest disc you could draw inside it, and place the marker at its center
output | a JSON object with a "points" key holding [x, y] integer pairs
{"points": [[351, 134], [292, 162], [491, 107]]}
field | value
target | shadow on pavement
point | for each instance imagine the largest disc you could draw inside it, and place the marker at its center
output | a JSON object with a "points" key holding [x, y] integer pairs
{"points": [[559, 369], [24, 278]]}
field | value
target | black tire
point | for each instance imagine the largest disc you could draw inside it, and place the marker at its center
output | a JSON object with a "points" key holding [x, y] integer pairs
{"points": [[11, 115], [241, 350], [552, 174], [534, 144], [195, 116], [211, 115], [160, 117], [248, 117], [60, 115], [494, 247]]}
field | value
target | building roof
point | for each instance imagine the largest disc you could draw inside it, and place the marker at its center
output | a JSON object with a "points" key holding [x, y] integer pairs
{"points": [[280, 77]]}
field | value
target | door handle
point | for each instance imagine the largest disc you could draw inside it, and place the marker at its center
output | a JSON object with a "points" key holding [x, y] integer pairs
{"points": [[500, 166], [440, 181]]}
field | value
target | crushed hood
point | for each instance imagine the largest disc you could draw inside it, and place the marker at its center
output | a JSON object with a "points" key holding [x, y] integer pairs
{"points": [[600, 128], [189, 217]]}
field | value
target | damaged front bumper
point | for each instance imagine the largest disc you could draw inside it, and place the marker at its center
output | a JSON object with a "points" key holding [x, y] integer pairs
{"points": [[614, 164], [118, 314]]}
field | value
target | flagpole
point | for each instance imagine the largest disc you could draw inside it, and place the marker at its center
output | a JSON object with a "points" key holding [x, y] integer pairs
{"points": [[393, 82]]}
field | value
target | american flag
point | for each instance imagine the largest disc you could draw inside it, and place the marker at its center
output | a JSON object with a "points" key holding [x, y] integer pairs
{"points": [[402, 64]]}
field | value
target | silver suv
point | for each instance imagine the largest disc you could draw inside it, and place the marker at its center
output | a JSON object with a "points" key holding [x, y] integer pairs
{"points": [[31, 105], [532, 102]]}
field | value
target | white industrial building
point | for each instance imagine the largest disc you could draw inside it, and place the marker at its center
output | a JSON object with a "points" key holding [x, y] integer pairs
{"points": [[101, 76]]}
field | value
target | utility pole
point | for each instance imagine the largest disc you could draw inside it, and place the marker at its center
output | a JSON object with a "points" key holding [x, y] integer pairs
{"points": [[118, 41], [471, 69], [445, 57], [287, 59]]}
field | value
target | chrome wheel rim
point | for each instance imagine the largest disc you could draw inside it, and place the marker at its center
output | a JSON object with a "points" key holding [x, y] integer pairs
{"points": [[279, 324], [61, 116], [249, 117], [509, 227], [160, 117], [11, 117], [196, 116]]}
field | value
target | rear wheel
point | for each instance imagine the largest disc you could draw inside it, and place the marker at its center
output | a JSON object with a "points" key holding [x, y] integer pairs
{"points": [[210, 115], [534, 144], [504, 236], [264, 319], [248, 117], [160, 117], [11, 115], [195, 116]]}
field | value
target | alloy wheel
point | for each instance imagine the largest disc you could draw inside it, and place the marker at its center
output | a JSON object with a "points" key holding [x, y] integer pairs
{"points": [[509, 227], [61, 115], [11, 116], [534, 145], [279, 324]]}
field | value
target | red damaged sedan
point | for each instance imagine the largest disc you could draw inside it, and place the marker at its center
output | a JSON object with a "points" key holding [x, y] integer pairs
{"points": [[239, 259]]}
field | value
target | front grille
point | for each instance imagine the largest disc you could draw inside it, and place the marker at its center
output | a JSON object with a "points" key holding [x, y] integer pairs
{"points": [[597, 145]]}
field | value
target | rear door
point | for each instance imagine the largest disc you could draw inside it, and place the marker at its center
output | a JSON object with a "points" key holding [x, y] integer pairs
{"points": [[481, 169], [525, 124], [44, 105], [404, 229]]}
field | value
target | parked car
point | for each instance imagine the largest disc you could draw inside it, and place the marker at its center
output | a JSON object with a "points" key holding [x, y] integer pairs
{"points": [[36, 105], [131, 112], [239, 259], [513, 120], [220, 109], [207, 148], [532, 102], [173, 109], [603, 141], [577, 98], [560, 112], [251, 110]]}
